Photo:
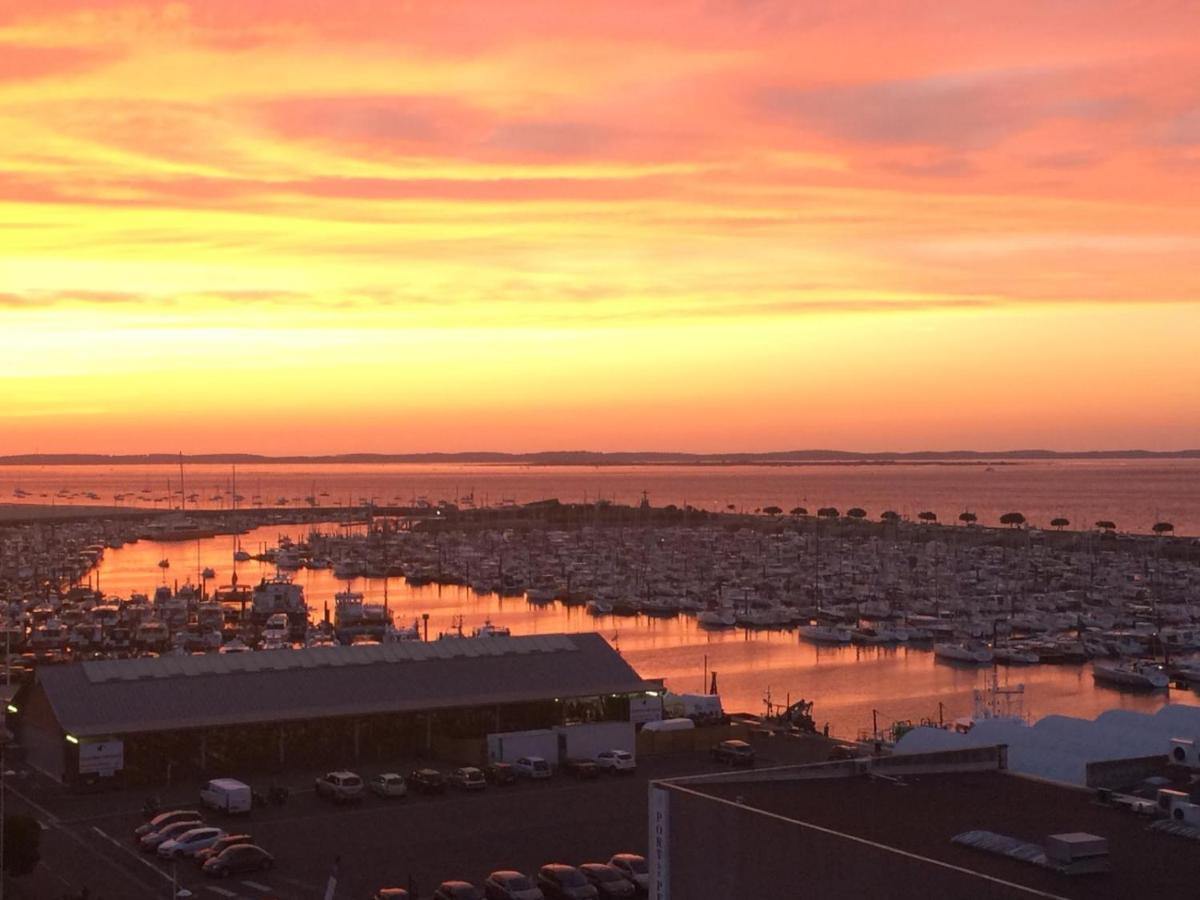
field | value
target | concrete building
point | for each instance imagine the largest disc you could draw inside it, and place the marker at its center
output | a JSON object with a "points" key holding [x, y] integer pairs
{"points": [[952, 824], [154, 719]]}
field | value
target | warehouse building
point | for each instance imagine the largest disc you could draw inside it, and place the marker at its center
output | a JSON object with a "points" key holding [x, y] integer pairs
{"points": [[168, 718], [949, 824]]}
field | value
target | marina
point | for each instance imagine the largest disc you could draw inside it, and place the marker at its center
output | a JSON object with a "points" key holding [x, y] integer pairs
{"points": [[875, 622]]}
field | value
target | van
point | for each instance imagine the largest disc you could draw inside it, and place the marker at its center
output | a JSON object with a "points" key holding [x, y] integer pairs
{"points": [[227, 795]]}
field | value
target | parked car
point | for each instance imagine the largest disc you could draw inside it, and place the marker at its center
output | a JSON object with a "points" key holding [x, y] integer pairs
{"points": [[559, 882], [608, 881], [340, 787], [616, 761], [468, 778], [238, 859], [509, 885], [633, 866], [187, 843], [457, 890], [581, 768], [389, 784], [152, 841], [532, 767], [499, 773], [162, 820], [427, 781], [201, 856], [226, 795], [734, 753]]}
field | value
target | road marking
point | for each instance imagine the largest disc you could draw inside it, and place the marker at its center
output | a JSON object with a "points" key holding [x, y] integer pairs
{"points": [[145, 862], [257, 886], [220, 890]]}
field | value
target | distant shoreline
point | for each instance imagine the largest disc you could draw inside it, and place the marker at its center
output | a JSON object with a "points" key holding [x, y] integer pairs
{"points": [[590, 458]]}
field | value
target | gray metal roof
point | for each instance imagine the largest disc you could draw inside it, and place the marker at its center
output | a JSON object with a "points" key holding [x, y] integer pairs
{"points": [[167, 693]]}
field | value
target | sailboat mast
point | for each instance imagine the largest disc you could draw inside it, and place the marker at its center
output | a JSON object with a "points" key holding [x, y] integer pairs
{"points": [[182, 495]]}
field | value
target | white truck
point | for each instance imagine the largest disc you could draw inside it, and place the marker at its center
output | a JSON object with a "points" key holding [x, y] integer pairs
{"points": [[703, 709], [227, 795]]}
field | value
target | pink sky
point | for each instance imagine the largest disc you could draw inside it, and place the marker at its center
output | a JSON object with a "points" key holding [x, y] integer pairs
{"points": [[281, 226]]}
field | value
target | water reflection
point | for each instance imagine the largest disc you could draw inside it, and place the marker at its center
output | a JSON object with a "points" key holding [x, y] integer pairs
{"points": [[846, 682]]}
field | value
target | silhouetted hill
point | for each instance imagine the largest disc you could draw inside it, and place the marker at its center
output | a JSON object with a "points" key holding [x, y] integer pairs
{"points": [[594, 458]]}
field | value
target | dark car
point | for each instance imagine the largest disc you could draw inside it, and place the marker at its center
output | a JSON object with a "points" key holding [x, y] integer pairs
{"points": [[468, 778], [581, 768], [607, 880], [559, 882], [634, 868], [390, 894], [202, 856], [457, 890], [509, 885], [499, 773], [734, 753], [238, 859], [427, 781]]}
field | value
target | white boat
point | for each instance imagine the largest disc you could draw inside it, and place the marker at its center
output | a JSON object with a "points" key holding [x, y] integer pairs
{"points": [[599, 607], [825, 634], [1015, 656], [879, 634], [1137, 674], [973, 652], [716, 618], [487, 629]]}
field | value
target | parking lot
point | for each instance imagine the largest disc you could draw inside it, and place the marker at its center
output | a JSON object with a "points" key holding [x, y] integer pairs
{"points": [[376, 842]]}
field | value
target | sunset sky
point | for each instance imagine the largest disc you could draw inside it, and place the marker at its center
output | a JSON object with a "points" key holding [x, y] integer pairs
{"points": [[288, 226]]}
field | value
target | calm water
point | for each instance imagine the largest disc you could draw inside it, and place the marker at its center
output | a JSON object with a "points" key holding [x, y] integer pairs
{"points": [[846, 683], [1134, 494]]}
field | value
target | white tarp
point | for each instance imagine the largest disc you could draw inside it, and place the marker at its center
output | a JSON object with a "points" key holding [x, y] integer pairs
{"points": [[1059, 748]]}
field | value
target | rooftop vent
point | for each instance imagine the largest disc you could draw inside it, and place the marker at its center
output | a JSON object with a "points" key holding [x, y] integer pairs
{"points": [[1075, 853]]}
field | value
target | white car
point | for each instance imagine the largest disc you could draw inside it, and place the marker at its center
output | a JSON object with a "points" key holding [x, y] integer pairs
{"points": [[616, 760], [532, 767], [389, 784], [190, 842], [170, 831]]}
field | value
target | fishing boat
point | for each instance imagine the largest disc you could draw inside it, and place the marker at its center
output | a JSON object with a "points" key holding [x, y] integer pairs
{"points": [[1134, 674], [487, 629]]}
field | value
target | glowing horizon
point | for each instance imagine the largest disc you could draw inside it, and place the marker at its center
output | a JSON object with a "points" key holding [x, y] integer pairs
{"points": [[712, 225]]}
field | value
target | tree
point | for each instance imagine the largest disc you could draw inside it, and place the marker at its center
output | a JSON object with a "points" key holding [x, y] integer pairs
{"points": [[1015, 519], [798, 511], [889, 515], [927, 516], [828, 512], [772, 510], [1106, 525], [1163, 528], [22, 842], [856, 512], [1060, 523], [967, 517]]}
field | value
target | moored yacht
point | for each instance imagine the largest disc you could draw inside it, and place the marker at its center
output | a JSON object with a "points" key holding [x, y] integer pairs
{"points": [[1136, 674], [971, 652], [825, 634]]}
